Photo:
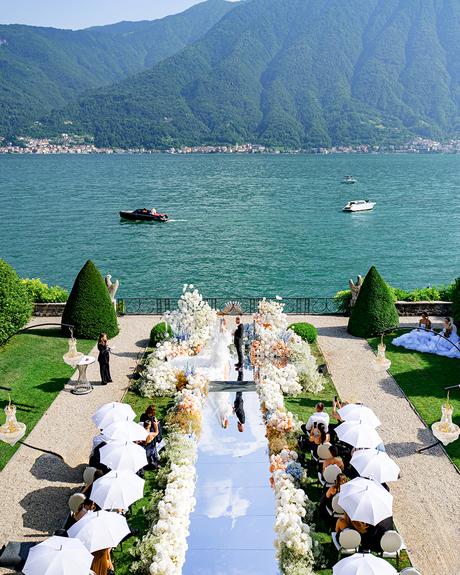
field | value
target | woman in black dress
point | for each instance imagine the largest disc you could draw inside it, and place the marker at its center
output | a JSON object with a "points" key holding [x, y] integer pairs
{"points": [[104, 359]]}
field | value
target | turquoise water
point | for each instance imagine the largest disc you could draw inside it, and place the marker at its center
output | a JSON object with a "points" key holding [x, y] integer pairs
{"points": [[242, 225]]}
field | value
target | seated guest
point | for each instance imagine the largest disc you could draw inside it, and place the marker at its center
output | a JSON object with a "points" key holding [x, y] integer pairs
{"points": [[150, 414], [102, 562], [334, 459], [371, 540], [318, 436], [346, 523], [326, 499], [446, 345], [150, 444], [97, 475], [320, 416], [86, 506]]}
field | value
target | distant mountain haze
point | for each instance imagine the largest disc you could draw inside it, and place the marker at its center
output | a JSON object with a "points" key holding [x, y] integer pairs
{"points": [[45, 68], [293, 73]]}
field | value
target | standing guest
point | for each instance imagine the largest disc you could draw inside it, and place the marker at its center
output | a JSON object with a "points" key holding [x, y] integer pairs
{"points": [[320, 416], [104, 359], [326, 499], [102, 562], [150, 444], [238, 336]]}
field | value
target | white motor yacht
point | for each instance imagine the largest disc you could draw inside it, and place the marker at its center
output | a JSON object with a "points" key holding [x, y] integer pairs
{"points": [[359, 206], [349, 180]]}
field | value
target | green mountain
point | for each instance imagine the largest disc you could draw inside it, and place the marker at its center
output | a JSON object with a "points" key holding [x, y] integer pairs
{"points": [[293, 73], [45, 68]]}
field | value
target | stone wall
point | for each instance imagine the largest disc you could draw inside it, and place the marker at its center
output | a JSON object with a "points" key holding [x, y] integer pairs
{"points": [[432, 308], [49, 309]]}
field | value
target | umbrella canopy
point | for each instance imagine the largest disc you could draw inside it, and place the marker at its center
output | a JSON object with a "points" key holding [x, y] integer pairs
{"points": [[100, 530], [358, 434], [358, 412], [365, 500], [376, 465], [363, 564], [117, 490], [124, 431], [123, 456], [58, 556], [110, 412]]}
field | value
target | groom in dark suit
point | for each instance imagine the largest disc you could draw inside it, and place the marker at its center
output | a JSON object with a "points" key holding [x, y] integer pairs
{"points": [[238, 409], [238, 341]]}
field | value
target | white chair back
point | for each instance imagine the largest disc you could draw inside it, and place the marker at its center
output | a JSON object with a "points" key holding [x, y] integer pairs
{"points": [[331, 472], [349, 539], [75, 501], [391, 542], [410, 571], [323, 451], [335, 505], [88, 475]]}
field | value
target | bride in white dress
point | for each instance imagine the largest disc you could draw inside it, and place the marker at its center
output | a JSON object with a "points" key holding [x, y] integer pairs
{"points": [[418, 339], [220, 360]]}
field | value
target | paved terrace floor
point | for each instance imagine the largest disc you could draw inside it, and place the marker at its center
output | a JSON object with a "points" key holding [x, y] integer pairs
{"points": [[37, 486]]}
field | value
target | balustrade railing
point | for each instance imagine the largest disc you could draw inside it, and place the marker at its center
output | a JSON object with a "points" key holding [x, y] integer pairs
{"points": [[245, 305]]}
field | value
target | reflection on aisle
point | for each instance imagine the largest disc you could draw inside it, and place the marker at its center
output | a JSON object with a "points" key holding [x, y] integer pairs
{"points": [[231, 530]]}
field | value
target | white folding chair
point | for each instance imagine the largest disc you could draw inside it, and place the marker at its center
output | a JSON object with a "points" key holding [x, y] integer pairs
{"points": [[348, 541], [410, 571], [391, 544], [323, 451], [88, 475], [75, 501], [338, 511], [328, 477]]}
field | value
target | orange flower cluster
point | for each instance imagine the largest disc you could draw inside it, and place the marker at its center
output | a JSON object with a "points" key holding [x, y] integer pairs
{"points": [[181, 380]]}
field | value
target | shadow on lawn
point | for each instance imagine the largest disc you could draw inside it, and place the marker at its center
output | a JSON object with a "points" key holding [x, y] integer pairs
{"points": [[53, 385]]}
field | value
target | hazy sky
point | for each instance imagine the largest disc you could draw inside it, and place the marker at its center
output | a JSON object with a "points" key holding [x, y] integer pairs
{"points": [[83, 13]]}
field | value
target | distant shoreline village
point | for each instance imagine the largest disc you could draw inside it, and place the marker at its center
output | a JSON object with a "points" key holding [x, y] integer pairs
{"points": [[66, 144]]}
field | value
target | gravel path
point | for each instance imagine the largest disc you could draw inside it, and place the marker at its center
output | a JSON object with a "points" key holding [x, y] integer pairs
{"points": [[426, 508], [37, 485]]}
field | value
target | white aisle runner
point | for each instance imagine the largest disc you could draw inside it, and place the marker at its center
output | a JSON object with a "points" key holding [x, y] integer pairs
{"points": [[231, 530]]}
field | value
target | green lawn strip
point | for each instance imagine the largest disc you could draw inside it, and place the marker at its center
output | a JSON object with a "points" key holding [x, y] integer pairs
{"points": [[32, 365], [122, 555], [423, 377], [303, 406]]}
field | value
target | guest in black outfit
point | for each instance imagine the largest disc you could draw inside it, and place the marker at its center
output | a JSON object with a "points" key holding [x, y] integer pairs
{"points": [[150, 415], [238, 408], [104, 359], [238, 337]]}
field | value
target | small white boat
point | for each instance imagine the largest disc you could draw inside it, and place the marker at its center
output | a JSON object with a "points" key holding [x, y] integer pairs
{"points": [[359, 206], [349, 180]]}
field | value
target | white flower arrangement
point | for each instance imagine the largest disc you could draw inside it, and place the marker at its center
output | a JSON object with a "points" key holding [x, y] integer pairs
{"points": [[305, 363], [159, 378], [285, 377], [272, 313]]}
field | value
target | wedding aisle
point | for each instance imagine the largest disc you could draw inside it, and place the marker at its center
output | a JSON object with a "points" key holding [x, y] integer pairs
{"points": [[231, 531]]}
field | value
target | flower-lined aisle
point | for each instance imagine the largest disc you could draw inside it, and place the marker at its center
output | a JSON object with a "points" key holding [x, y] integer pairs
{"points": [[285, 366]]}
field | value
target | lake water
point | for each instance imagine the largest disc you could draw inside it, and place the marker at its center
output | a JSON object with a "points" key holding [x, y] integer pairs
{"points": [[242, 225]]}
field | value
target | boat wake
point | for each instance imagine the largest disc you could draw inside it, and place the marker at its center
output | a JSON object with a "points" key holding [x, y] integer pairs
{"points": [[171, 221]]}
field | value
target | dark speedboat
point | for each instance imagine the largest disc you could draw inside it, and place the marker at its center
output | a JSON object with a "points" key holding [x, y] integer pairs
{"points": [[144, 215]]}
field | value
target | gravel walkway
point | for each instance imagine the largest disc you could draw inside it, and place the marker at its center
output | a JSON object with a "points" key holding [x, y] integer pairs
{"points": [[426, 508], [37, 485]]}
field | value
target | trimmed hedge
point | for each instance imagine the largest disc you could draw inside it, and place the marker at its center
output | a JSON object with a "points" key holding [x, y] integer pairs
{"points": [[89, 307], [456, 301], [158, 333], [43, 293], [306, 331], [374, 310], [15, 302]]}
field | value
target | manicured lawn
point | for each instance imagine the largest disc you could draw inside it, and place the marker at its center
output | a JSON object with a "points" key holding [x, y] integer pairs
{"points": [[423, 377], [137, 519], [303, 406], [32, 365]]}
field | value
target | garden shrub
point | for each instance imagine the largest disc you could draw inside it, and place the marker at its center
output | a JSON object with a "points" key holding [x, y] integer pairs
{"points": [[434, 293], [342, 300], [43, 293], [456, 301], [374, 311], [89, 307], [15, 302], [159, 333], [306, 331]]}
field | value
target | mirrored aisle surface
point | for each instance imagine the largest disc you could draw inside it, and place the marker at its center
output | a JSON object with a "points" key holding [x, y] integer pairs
{"points": [[231, 530]]}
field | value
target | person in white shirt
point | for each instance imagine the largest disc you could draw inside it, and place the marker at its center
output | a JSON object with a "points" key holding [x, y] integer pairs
{"points": [[320, 416]]}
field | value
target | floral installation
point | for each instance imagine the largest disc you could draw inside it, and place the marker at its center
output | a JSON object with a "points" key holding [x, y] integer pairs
{"points": [[271, 315], [305, 363], [193, 319], [159, 379]]}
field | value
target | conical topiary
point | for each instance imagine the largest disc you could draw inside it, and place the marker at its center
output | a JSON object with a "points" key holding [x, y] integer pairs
{"points": [[456, 301], [89, 307], [15, 302], [374, 310]]}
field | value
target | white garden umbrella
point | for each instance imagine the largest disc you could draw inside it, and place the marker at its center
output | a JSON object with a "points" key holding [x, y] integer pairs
{"points": [[363, 564], [110, 412], [359, 412], [376, 465], [124, 431], [358, 434], [58, 556], [123, 456], [117, 490], [100, 530], [365, 500]]}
